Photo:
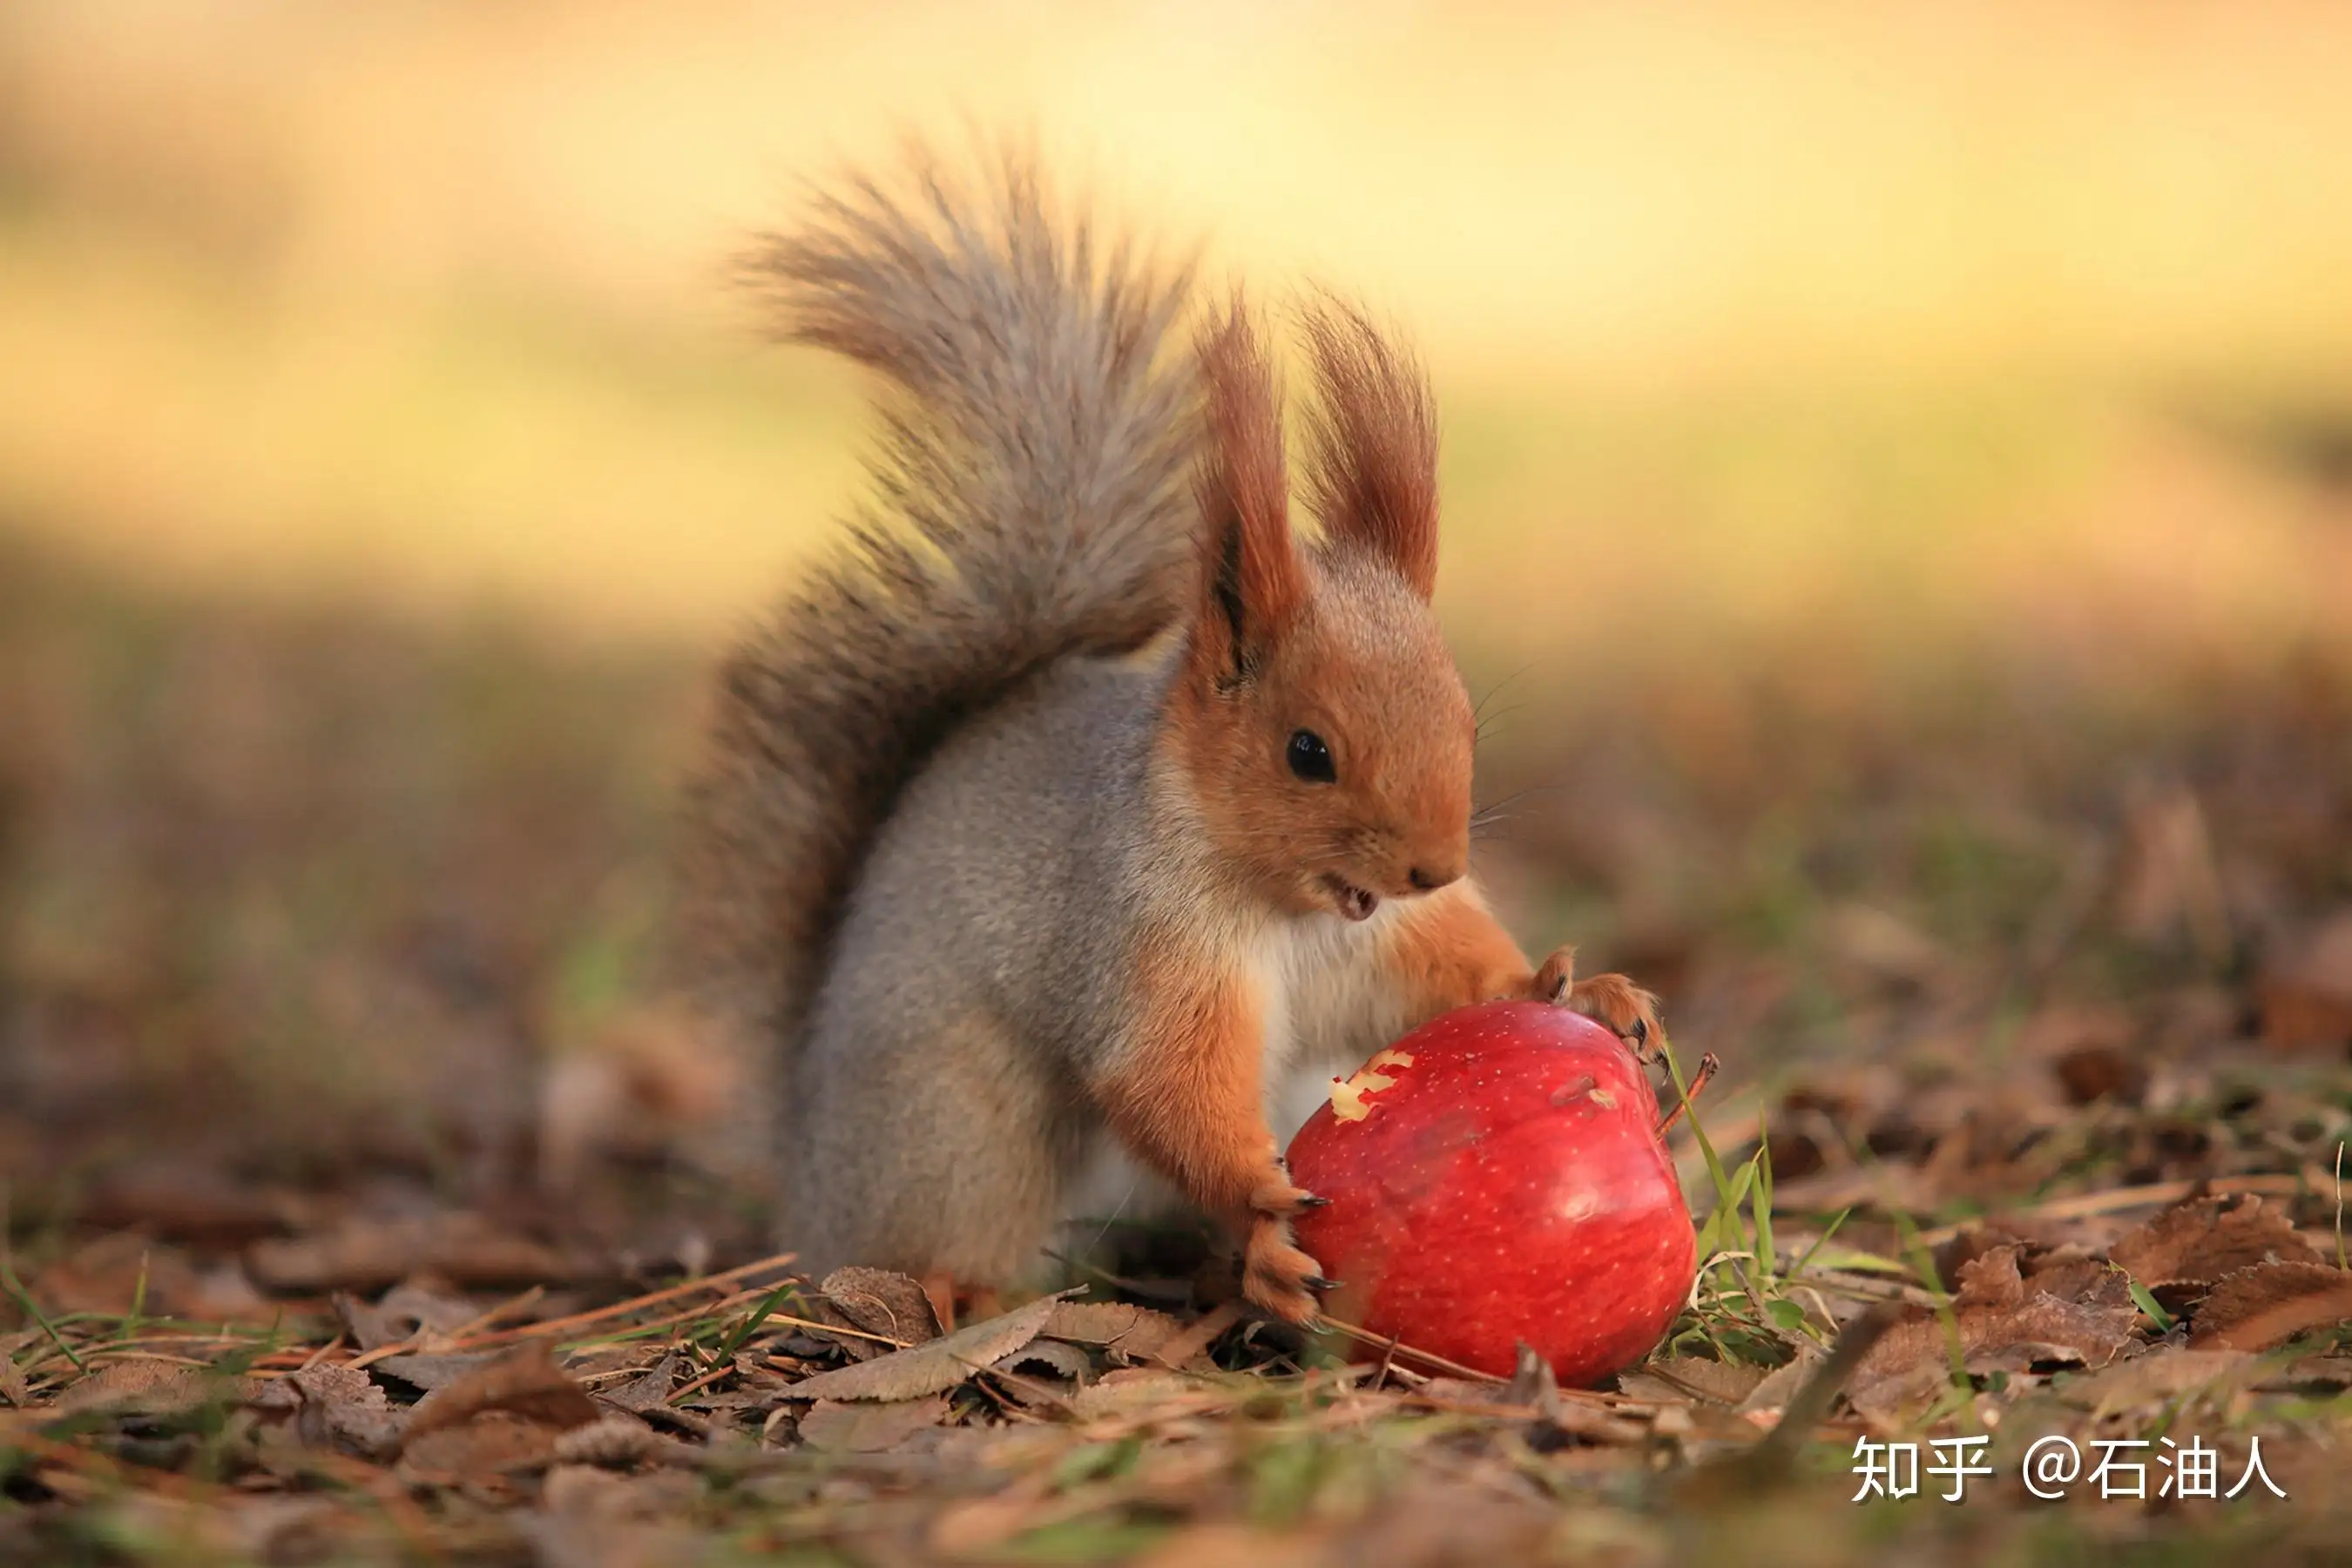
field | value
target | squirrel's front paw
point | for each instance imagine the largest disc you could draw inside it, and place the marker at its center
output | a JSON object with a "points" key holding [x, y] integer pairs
{"points": [[1613, 1000], [1277, 1199], [1276, 1277]]}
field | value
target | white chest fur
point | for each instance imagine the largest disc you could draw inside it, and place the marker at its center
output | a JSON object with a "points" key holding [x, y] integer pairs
{"points": [[1325, 1007], [1328, 1005]]}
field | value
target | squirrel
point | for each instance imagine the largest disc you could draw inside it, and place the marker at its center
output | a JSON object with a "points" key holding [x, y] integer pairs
{"points": [[1080, 799]]}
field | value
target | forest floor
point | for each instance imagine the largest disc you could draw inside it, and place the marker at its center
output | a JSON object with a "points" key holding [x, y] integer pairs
{"points": [[349, 1215]]}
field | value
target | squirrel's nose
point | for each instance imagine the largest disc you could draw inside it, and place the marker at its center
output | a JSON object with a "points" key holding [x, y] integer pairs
{"points": [[1428, 879]]}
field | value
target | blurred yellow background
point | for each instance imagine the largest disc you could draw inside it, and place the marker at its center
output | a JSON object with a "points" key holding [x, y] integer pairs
{"points": [[1805, 320]]}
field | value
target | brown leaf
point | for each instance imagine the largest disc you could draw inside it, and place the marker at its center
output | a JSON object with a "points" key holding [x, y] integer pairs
{"points": [[13, 1387], [1193, 1344], [879, 1302], [1990, 1279], [1681, 1377], [599, 1497], [1139, 1390], [870, 1427], [615, 1442], [427, 1373], [151, 1388], [2003, 1321], [1050, 1358], [336, 1407], [652, 1388], [1772, 1395], [493, 1444], [1119, 1327], [2270, 1303], [2200, 1239], [934, 1367], [405, 1310], [526, 1384]]}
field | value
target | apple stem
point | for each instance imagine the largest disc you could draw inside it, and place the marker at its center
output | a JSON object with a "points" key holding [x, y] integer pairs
{"points": [[1707, 1065]]}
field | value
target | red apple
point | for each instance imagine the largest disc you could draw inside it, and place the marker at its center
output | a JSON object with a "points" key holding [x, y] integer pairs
{"points": [[1498, 1177]]}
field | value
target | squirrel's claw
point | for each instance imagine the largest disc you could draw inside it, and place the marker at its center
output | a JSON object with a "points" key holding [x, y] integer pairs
{"points": [[1276, 1277], [1630, 1012]]}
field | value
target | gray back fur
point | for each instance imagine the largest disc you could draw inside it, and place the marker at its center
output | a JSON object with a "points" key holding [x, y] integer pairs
{"points": [[1029, 502]]}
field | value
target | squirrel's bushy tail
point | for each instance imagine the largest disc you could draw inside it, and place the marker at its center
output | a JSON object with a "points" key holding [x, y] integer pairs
{"points": [[1030, 501]]}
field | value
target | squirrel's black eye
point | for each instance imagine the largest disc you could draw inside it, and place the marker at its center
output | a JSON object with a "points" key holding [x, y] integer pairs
{"points": [[1310, 759]]}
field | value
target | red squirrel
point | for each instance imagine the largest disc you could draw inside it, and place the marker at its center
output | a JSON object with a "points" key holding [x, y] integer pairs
{"points": [[1080, 799]]}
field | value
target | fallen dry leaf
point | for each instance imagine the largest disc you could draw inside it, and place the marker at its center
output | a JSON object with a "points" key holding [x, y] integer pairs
{"points": [[879, 1302], [593, 1493], [14, 1388], [2199, 1241], [934, 1367], [2268, 1304], [1772, 1395], [1191, 1345], [868, 1427], [485, 1448], [1140, 1392], [427, 1373], [1680, 1377], [2004, 1321], [1123, 1329], [649, 1389], [405, 1310], [613, 1441], [525, 1383], [1050, 1358], [336, 1407], [151, 1388]]}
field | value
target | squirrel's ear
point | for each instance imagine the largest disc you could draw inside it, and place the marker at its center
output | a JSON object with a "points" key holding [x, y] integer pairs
{"points": [[1252, 578], [1373, 443]]}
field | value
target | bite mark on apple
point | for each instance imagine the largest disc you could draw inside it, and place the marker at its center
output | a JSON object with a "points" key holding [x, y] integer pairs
{"points": [[1347, 1101]]}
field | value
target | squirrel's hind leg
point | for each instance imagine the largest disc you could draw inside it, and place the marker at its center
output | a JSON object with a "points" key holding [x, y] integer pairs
{"points": [[924, 1144]]}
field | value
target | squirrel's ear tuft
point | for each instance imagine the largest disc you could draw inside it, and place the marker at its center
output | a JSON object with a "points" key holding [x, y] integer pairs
{"points": [[1373, 443], [1252, 578]]}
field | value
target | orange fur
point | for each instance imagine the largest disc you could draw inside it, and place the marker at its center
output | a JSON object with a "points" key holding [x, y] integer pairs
{"points": [[1252, 580], [1188, 1099], [1448, 952], [1339, 642], [1373, 444], [1188, 1095]]}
